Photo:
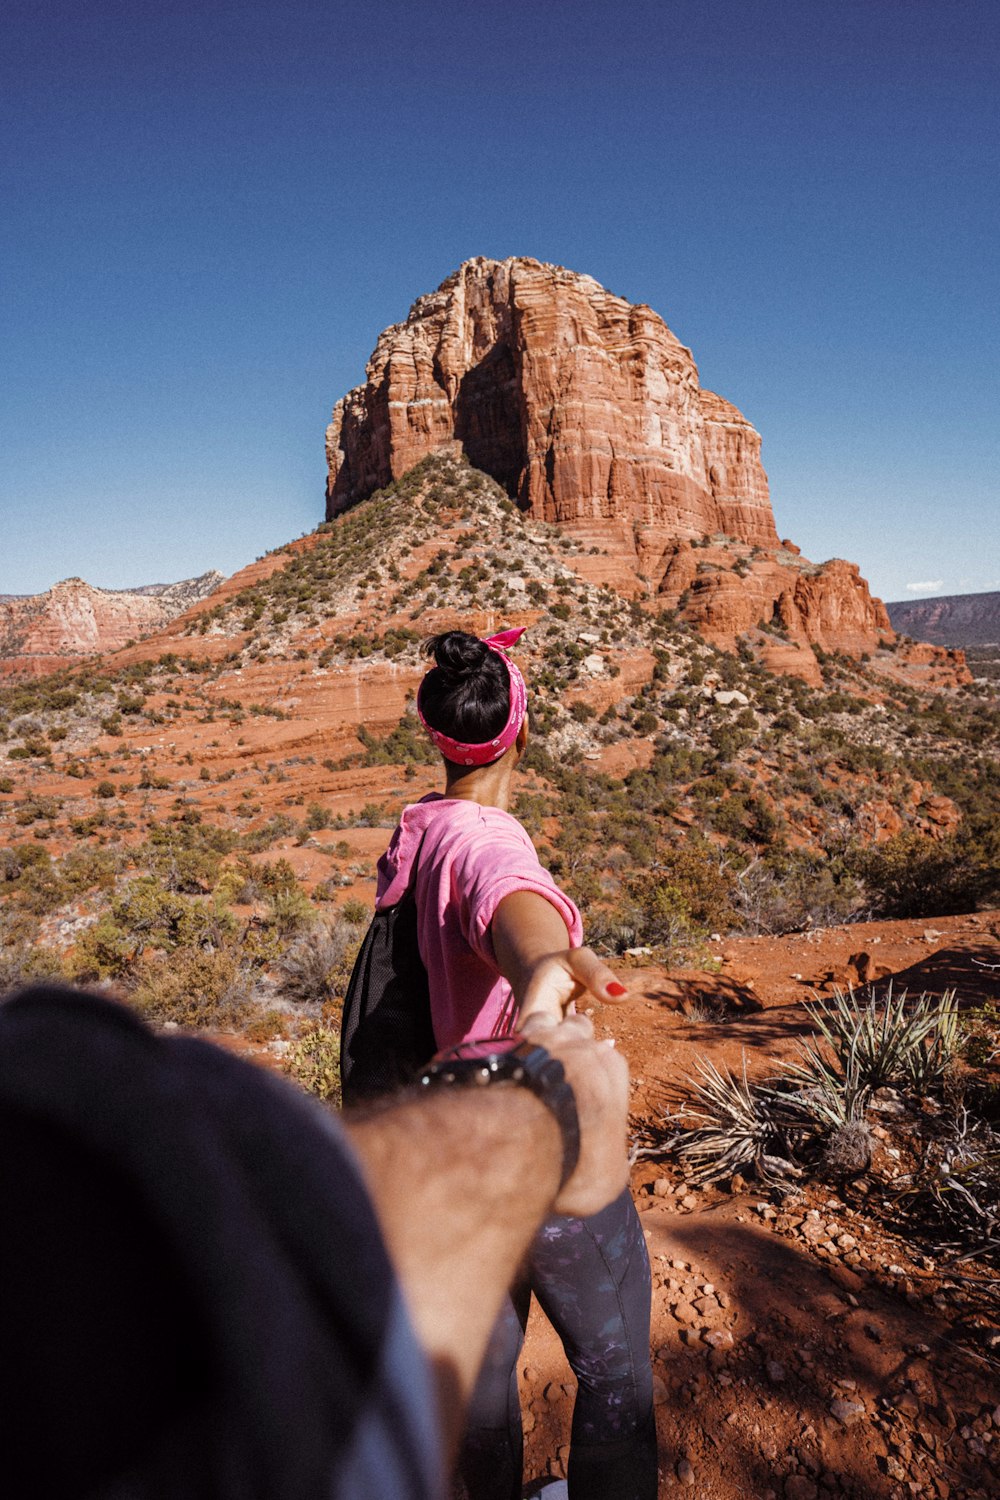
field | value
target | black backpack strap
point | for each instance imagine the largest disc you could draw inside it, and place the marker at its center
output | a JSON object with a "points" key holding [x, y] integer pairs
{"points": [[386, 1032]]}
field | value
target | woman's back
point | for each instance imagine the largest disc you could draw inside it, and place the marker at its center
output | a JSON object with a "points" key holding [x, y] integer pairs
{"points": [[469, 857]]}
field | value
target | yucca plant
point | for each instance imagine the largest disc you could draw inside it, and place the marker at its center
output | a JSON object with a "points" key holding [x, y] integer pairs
{"points": [[928, 1061], [737, 1125], [879, 1043]]}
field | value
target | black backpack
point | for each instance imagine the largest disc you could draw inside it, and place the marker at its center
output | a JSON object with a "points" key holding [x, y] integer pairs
{"points": [[386, 1035]]}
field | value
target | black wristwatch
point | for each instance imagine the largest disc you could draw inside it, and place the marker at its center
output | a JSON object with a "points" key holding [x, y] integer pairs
{"points": [[512, 1059]]}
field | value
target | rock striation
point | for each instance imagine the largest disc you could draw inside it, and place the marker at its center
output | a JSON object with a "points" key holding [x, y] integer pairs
{"points": [[583, 405], [42, 632]]}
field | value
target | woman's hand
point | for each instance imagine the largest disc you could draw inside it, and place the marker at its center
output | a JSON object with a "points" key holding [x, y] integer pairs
{"points": [[547, 977], [558, 980]]}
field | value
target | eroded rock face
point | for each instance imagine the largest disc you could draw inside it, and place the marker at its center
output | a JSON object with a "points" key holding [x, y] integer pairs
{"points": [[41, 632], [584, 406], [591, 414]]}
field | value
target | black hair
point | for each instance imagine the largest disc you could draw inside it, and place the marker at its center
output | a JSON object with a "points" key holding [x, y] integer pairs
{"points": [[466, 694]]}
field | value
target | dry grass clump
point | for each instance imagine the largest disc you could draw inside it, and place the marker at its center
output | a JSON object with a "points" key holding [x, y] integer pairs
{"points": [[318, 964]]}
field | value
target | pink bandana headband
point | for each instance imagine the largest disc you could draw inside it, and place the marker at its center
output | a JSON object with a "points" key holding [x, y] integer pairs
{"points": [[482, 755]]}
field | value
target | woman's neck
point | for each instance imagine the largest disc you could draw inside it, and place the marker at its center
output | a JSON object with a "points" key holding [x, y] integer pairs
{"points": [[487, 785]]}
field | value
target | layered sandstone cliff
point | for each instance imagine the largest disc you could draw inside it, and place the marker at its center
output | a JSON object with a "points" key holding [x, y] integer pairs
{"points": [[581, 404], [41, 632], [590, 413]]}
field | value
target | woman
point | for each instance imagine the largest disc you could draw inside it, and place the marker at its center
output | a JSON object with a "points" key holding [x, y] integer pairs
{"points": [[500, 942]]}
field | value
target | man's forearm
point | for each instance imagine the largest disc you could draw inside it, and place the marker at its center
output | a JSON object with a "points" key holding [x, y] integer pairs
{"points": [[460, 1183]]}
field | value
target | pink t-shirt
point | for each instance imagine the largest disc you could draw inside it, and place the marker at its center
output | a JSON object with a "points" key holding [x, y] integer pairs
{"points": [[471, 858]]}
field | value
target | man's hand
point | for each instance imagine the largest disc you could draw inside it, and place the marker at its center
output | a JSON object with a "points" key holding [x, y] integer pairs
{"points": [[599, 1078], [461, 1180]]}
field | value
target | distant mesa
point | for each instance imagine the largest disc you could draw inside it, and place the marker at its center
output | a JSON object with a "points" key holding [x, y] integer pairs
{"points": [[42, 632], [951, 620]]}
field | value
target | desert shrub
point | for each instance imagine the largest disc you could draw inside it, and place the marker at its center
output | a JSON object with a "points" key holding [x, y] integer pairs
{"points": [[266, 1027], [27, 963], [187, 856], [238, 883], [881, 1043], [955, 1188], [793, 888], [980, 1035], [355, 912], [658, 911], [289, 911], [84, 870], [104, 950], [695, 868], [314, 1063], [318, 964], [194, 988], [317, 817], [277, 827], [912, 875], [407, 744], [735, 1126]]}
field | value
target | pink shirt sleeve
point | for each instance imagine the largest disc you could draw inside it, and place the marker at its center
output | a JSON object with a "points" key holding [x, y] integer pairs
{"points": [[492, 862]]}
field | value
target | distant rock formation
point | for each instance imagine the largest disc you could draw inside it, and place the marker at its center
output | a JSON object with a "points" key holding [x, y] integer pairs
{"points": [[42, 632], [590, 412], [951, 620], [582, 405]]}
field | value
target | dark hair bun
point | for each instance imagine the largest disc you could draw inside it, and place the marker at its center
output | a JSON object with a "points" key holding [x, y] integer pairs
{"points": [[457, 654], [466, 694]]}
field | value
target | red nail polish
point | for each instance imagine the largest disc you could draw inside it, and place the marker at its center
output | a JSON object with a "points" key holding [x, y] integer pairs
{"points": [[614, 988]]}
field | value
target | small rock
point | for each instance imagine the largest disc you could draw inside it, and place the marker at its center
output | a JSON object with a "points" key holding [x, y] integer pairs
{"points": [[661, 1391], [719, 1338], [689, 1201], [685, 1473], [662, 1188], [775, 1371], [799, 1487], [846, 1412], [684, 1313]]}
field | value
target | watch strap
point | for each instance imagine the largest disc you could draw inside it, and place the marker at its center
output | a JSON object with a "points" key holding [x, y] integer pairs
{"points": [[526, 1064]]}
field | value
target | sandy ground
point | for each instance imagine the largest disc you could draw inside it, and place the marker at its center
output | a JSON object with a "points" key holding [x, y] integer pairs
{"points": [[800, 1349]]}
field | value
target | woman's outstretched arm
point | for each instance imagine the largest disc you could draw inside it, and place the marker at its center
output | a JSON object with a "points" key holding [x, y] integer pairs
{"points": [[532, 950]]}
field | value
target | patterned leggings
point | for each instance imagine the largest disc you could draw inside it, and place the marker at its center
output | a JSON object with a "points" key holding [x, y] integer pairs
{"points": [[591, 1277]]}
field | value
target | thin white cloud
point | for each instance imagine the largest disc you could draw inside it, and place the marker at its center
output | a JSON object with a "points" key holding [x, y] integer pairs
{"points": [[924, 588]]}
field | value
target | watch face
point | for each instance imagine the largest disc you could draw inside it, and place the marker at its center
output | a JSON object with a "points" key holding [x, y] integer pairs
{"points": [[494, 1046]]}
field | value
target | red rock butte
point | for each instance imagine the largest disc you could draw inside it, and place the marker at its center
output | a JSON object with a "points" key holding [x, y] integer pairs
{"points": [[584, 406]]}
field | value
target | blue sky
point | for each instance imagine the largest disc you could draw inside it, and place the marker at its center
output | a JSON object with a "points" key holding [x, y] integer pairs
{"points": [[211, 210]]}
